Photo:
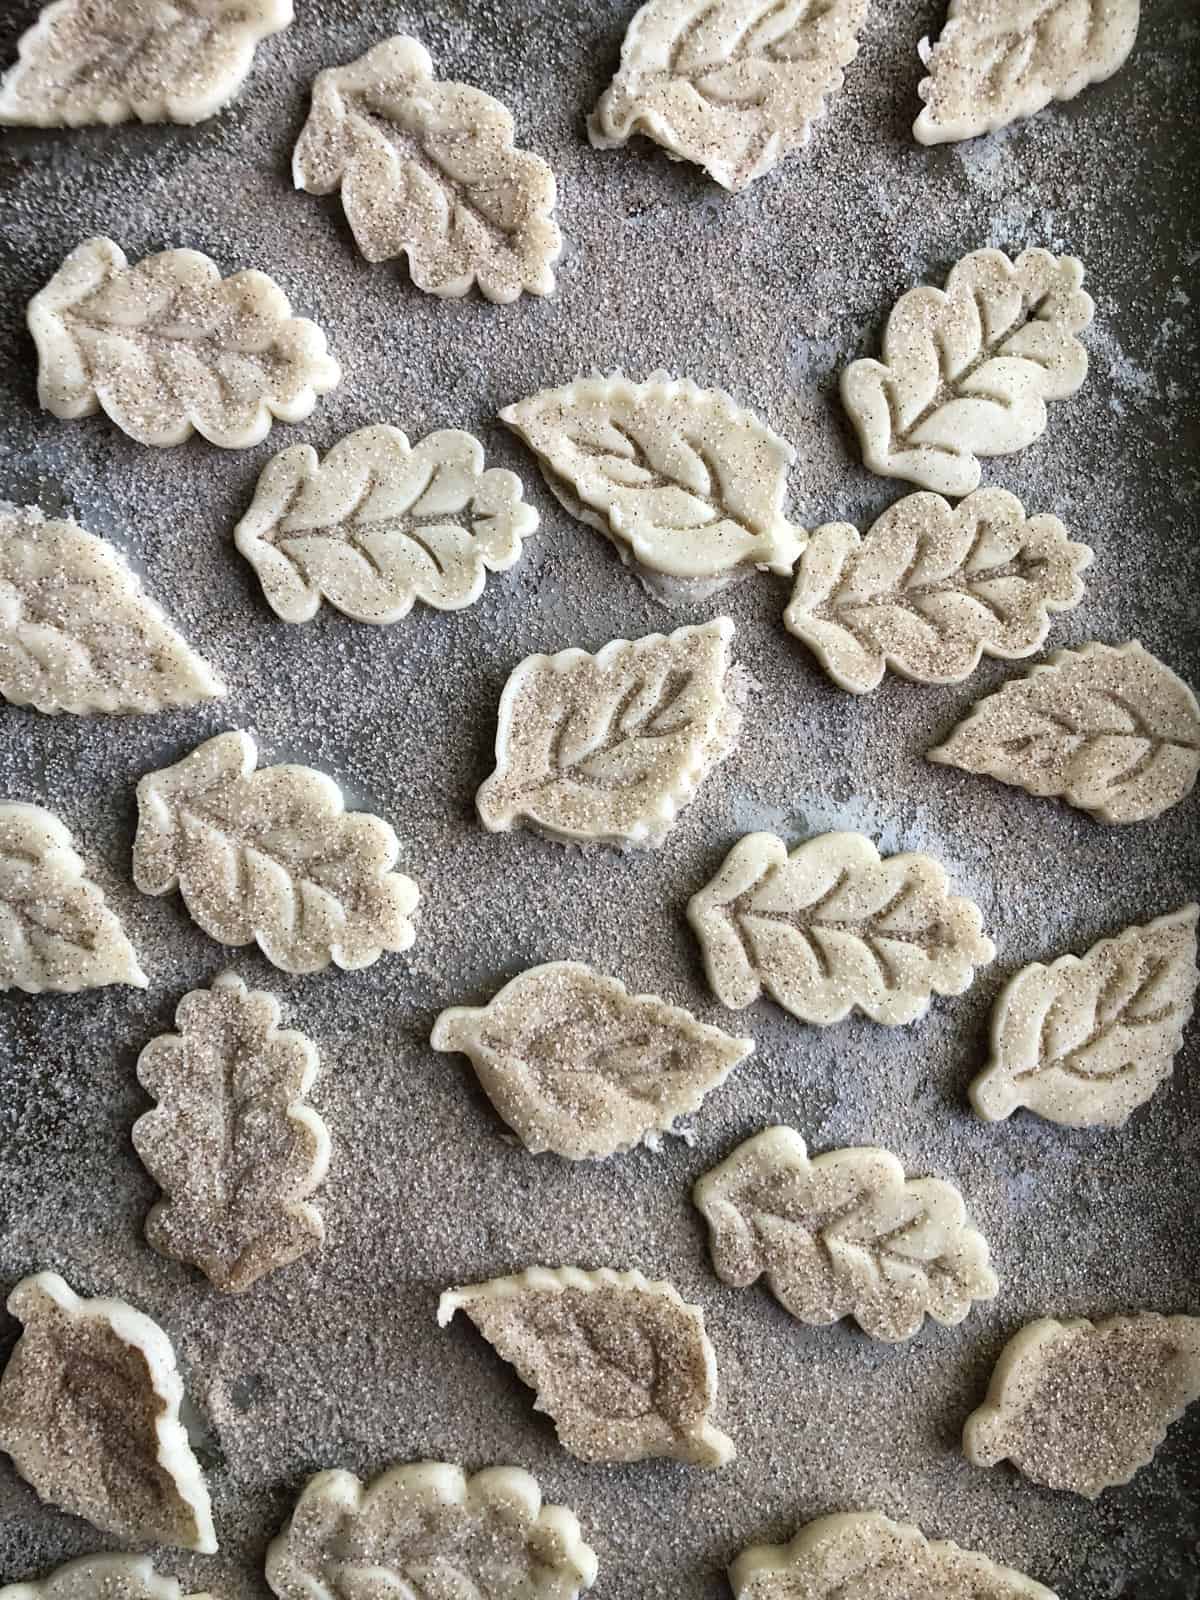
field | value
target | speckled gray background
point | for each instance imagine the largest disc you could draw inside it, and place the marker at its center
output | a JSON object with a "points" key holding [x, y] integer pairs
{"points": [[338, 1361]]}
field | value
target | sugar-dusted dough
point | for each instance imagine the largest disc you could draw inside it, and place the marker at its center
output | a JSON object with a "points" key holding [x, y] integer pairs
{"points": [[101, 1577], [89, 1412]]}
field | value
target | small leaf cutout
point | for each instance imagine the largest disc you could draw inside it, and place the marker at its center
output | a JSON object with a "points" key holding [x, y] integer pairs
{"points": [[99, 1578]]}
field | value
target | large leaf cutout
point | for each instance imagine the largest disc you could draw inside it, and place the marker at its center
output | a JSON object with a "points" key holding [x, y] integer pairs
{"points": [[967, 371], [379, 524], [689, 488], [622, 1365], [994, 64], [429, 1530], [99, 1578], [272, 856], [609, 748], [732, 85], [429, 170], [107, 61], [229, 1143], [169, 347], [835, 926], [1081, 1406], [932, 588], [1085, 1041], [577, 1065], [56, 932], [89, 1412], [78, 634], [1109, 729]]}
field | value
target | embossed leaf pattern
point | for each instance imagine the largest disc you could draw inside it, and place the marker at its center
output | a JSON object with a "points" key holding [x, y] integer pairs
{"points": [[732, 85], [932, 588], [272, 856], [429, 170], [1109, 729], [98, 1578], [967, 371], [380, 524]]}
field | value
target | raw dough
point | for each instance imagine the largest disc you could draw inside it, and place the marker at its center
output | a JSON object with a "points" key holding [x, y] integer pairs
{"points": [[101, 1578]]}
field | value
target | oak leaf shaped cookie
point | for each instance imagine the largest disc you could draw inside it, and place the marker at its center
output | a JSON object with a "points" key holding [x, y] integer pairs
{"points": [[169, 347], [1081, 1406], [835, 926], [577, 1065], [379, 524], [56, 932], [116, 1577], [272, 857], [622, 1365], [1085, 1041], [610, 748], [863, 1555], [732, 85], [78, 634], [229, 1143], [89, 1412], [428, 1529], [996, 63], [932, 588], [844, 1234], [687, 486], [429, 170], [1107, 728], [967, 371]]}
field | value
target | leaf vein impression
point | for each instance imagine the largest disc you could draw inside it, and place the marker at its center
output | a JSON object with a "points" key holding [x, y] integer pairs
{"points": [[617, 734], [1068, 1062], [658, 480]]}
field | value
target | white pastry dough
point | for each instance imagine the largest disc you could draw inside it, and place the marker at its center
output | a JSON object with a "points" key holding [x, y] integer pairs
{"points": [[117, 1577]]}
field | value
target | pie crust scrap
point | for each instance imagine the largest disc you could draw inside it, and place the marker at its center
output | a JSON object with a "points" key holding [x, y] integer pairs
{"points": [[380, 524], [844, 1234], [169, 347], [1081, 1406], [118, 1577], [622, 1365], [998, 61], [609, 748], [833, 927], [105, 61], [1085, 1041], [89, 1413], [230, 1143], [1107, 728], [429, 1529], [57, 935], [932, 588], [272, 857], [687, 486], [577, 1065], [731, 85], [429, 170], [967, 370]]}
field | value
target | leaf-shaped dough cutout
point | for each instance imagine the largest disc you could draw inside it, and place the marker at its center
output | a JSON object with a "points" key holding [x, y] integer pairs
{"points": [[1107, 728], [577, 1065], [78, 634], [379, 524], [117, 1577], [610, 748], [687, 486], [429, 170], [56, 932], [844, 1234], [863, 1555], [1081, 1406], [1085, 1041], [967, 371], [835, 926], [230, 1144], [272, 857], [426, 1529], [105, 61], [169, 347], [731, 85], [89, 1412], [932, 588], [996, 63], [622, 1365]]}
